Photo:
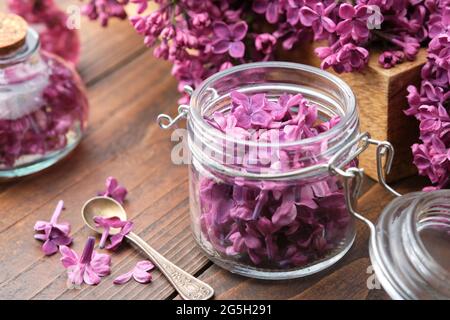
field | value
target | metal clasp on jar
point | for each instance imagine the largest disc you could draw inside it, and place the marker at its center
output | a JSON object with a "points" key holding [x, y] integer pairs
{"points": [[355, 175], [166, 122]]}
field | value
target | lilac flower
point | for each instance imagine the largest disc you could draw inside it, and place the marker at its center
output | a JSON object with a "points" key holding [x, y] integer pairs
{"points": [[116, 240], [346, 58], [440, 23], [139, 273], [293, 11], [229, 38], [114, 190], [53, 233], [250, 110], [389, 59], [354, 23], [265, 43], [107, 224], [271, 8], [105, 10], [317, 18], [89, 267]]}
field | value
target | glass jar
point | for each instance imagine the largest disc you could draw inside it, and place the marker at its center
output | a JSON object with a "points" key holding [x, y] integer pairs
{"points": [[410, 246], [283, 220], [43, 109]]}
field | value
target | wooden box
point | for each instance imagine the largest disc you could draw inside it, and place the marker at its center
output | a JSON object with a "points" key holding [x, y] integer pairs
{"points": [[381, 95]]}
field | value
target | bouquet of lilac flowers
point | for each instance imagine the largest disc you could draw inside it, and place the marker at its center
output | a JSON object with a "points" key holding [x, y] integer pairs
{"points": [[202, 37]]}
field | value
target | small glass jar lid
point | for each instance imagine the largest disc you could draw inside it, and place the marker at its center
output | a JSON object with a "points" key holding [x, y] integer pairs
{"points": [[410, 246]]}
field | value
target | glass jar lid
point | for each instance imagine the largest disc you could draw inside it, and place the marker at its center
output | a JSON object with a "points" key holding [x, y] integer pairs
{"points": [[410, 246]]}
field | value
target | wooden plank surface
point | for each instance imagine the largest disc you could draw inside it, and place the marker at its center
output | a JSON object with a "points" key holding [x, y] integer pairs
{"points": [[127, 89]]}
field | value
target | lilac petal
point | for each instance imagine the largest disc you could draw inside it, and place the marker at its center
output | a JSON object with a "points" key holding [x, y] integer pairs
{"points": [[119, 194], [127, 228], [69, 257], [308, 16], [75, 275], [40, 236], [145, 265], [258, 102], [328, 24], [239, 98], [243, 118], [237, 49], [221, 30], [64, 227], [116, 240], [49, 247], [40, 225], [239, 30], [142, 276], [261, 118], [112, 222], [360, 29], [272, 12], [294, 100], [111, 184], [90, 277], [101, 264], [123, 278], [252, 242], [220, 46], [62, 240], [256, 259], [346, 11], [260, 6], [344, 27]]}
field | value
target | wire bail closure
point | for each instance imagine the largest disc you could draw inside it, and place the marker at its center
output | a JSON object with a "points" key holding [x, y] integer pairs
{"points": [[355, 175], [166, 122]]}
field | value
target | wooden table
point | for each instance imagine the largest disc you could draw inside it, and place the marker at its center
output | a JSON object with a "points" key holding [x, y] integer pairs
{"points": [[127, 89]]}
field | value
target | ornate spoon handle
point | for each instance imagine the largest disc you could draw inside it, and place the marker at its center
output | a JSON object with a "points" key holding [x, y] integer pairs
{"points": [[189, 287]]}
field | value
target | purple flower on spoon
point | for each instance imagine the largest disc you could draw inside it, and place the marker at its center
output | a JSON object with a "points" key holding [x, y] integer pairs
{"points": [[52, 232], [140, 273], [116, 223], [107, 224], [88, 268]]}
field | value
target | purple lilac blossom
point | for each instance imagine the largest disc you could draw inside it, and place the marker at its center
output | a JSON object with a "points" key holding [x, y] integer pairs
{"points": [[430, 104], [89, 267], [190, 37], [271, 223], [186, 36], [53, 232]]}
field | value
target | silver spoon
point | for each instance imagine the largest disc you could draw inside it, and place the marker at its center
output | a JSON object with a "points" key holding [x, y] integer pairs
{"points": [[189, 287]]}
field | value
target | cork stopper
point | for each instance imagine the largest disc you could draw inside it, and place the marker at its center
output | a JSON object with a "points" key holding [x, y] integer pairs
{"points": [[13, 33]]}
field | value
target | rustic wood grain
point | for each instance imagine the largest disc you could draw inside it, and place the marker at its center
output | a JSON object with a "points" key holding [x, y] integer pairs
{"points": [[127, 89]]}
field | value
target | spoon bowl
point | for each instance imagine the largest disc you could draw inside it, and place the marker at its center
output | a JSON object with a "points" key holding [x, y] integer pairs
{"points": [[104, 207]]}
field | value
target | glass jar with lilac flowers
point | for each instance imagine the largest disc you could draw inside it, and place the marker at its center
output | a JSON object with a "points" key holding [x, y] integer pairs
{"points": [[272, 150], [43, 105]]}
